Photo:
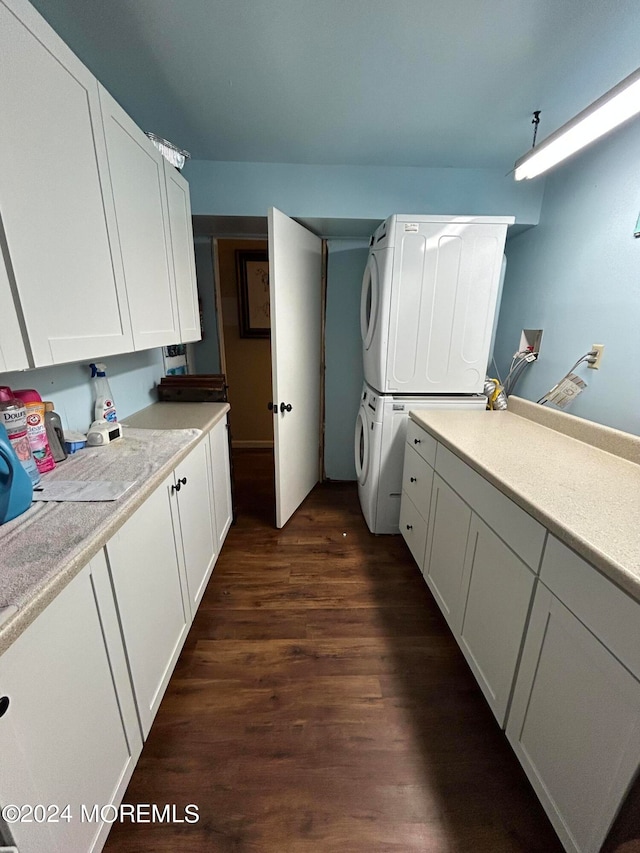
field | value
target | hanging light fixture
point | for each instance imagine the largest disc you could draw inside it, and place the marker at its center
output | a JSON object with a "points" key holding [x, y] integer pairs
{"points": [[613, 108]]}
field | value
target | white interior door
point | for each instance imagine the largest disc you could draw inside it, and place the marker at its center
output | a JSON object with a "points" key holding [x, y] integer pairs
{"points": [[295, 279]]}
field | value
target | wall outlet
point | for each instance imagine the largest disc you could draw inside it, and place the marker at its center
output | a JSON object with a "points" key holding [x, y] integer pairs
{"points": [[530, 339], [598, 349]]}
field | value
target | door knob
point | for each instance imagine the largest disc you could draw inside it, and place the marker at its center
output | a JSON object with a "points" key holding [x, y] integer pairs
{"points": [[4, 705], [285, 407], [412, 479], [272, 407], [409, 526]]}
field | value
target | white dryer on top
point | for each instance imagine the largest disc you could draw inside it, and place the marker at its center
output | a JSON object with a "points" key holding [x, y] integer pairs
{"points": [[429, 298]]}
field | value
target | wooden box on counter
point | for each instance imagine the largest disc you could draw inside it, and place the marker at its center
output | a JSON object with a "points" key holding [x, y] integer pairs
{"points": [[203, 388]]}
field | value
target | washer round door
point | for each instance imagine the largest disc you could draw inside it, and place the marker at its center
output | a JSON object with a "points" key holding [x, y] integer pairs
{"points": [[361, 446], [369, 300]]}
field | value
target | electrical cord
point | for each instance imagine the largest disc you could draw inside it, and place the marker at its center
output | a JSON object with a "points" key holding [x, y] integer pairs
{"points": [[518, 363], [588, 356], [516, 375]]}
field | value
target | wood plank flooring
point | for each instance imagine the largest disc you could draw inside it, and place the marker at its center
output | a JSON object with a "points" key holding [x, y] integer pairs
{"points": [[321, 704]]}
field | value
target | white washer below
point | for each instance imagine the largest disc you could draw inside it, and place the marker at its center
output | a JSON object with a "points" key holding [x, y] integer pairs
{"points": [[381, 428]]}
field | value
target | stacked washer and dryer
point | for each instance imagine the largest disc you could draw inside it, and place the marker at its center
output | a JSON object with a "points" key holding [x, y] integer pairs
{"points": [[428, 312]]}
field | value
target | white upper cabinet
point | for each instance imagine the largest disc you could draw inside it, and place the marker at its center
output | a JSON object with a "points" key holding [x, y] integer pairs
{"points": [[56, 219], [13, 353], [136, 170], [184, 266]]}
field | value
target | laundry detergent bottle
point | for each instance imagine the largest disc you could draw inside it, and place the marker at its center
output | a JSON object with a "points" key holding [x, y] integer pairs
{"points": [[104, 407], [16, 489], [13, 416]]}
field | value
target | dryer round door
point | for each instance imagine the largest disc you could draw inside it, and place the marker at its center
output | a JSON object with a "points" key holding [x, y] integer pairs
{"points": [[369, 300], [362, 447]]}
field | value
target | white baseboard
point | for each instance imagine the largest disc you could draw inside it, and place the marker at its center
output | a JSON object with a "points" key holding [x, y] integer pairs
{"points": [[251, 445]]}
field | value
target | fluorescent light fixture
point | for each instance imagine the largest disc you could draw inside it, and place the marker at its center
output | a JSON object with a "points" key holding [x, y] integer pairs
{"points": [[615, 107]]}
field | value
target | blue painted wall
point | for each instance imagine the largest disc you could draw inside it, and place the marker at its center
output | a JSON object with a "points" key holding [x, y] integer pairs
{"points": [[132, 379], [206, 353], [577, 276], [343, 354], [357, 192]]}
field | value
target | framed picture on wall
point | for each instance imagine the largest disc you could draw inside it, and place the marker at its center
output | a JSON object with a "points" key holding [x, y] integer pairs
{"points": [[252, 270]]}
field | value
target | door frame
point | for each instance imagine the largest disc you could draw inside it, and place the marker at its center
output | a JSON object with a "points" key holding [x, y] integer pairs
{"points": [[217, 297], [323, 357]]}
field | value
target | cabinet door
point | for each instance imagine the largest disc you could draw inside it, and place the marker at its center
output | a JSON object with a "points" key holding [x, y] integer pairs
{"points": [[139, 193], [221, 479], [417, 481], [446, 546], [183, 254], [149, 597], [13, 353], [56, 219], [194, 519], [497, 588], [574, 724], [413, 528], [62, 738]]}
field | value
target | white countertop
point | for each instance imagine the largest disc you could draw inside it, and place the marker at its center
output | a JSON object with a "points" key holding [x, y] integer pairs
{"points": [[45, 547], [586, 496]]}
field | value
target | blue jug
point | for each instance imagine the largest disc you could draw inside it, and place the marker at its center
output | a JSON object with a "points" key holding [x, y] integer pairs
{"points": [[16, 490]]}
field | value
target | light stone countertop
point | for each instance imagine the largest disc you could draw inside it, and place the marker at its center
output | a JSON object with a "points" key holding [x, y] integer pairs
{"points": [[585, 495], [43, 549]]}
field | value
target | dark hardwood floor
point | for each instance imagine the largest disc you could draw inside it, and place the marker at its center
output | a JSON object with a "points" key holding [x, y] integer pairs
{"points": [[321, 703]]}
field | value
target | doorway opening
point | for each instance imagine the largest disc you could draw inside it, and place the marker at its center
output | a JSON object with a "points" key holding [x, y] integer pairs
{"points": [[245, 351], [245, 359], [267, 337]]}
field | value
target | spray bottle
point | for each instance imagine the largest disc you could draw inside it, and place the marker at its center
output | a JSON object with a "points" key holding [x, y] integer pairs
{"points": [[104, 407]]}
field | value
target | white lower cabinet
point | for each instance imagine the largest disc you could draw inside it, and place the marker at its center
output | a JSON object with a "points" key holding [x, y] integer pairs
{"points": [[415, 501], [69, 736], [482, 580], [194, 521], [221, 478], [160, 561], [80, 687], [148, 586], [447, 541], [483, 589], [496, 595], [563, 674], [575, 716]]}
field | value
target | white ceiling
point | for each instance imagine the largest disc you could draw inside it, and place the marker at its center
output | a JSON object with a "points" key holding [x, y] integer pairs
{"points": [[356, 82]]}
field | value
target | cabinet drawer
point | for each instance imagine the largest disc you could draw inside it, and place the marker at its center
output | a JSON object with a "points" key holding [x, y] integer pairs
{"points": [[607, 611], [514, 526], [422, 442], [417, 479], [413, 528]]}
